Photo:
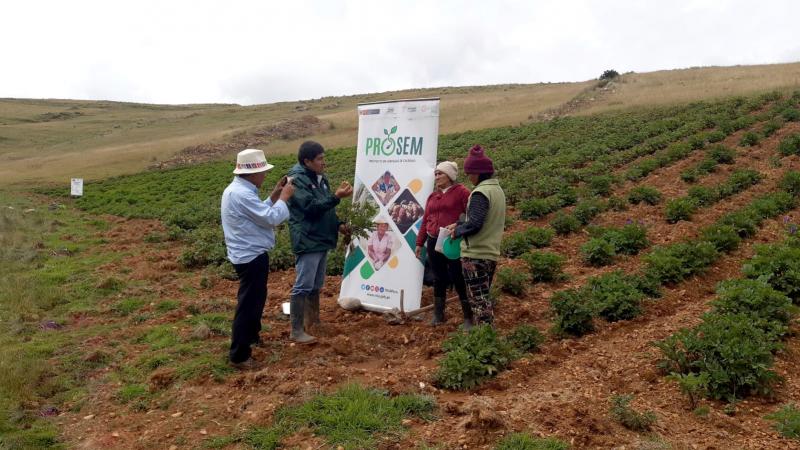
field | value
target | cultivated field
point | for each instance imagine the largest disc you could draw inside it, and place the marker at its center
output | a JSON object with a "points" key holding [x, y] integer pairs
{"points": [[647, 298]]}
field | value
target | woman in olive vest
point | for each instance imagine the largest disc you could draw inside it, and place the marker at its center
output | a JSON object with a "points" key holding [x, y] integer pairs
{"points": [[482, 231]]}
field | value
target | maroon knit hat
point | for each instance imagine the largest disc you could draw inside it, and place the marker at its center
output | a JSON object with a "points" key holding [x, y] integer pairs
{"points": [[477, 162]]}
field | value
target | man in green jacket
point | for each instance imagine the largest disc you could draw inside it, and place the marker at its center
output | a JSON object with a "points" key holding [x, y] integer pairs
{"points": [[314, 228]]}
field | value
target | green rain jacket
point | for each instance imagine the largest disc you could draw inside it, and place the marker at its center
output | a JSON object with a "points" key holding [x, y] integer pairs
{"points": [[313, 224]]}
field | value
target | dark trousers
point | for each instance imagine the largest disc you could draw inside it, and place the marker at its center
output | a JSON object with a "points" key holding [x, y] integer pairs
{"points": [[446, 271], [251, 298], [478, 275]]}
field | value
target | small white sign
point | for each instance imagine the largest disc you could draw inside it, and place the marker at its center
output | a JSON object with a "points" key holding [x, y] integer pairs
{"points": [[77, 187]]}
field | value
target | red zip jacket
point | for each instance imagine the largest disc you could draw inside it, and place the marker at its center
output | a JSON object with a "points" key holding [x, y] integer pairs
{"points": [[441, 210]]}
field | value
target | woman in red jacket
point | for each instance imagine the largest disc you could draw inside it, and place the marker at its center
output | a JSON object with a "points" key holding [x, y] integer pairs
{"points": [[444, 206]]}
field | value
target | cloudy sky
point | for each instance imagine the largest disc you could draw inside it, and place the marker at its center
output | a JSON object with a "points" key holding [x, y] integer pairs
{"points": [[252, 52]]}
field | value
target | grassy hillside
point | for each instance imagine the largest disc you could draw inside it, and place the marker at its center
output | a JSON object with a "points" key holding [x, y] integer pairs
{"points": [[53, 140]]}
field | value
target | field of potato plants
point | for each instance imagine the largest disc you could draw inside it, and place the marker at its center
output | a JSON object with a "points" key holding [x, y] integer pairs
{"points": [[647, 298]]}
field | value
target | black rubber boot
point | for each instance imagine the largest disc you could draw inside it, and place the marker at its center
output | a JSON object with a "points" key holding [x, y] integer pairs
{"points": [[296, 314], [438, 311], [469, 320], [311, 315]]}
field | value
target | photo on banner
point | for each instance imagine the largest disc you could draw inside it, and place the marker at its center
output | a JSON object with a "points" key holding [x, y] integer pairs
{"points": [[396, 157]]}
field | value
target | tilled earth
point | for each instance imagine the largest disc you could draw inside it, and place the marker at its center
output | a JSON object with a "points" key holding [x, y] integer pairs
{"points": [[561, 391]]}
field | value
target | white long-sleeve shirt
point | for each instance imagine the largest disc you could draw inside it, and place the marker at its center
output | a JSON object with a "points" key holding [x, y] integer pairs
{"points": [[249, 222]]}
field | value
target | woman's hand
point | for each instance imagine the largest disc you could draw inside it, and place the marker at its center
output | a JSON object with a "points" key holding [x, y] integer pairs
{"points": [[418, 252]]}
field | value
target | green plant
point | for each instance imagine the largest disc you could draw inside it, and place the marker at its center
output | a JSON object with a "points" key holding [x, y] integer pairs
{"points": [[526, 338], [470, 358], [573, 311], [535, 208], [544, 266], [734, 352], [723, 237], [600, 184], [673, 263], [623, 413], [564, 223], [721, 154], [627, 240], [768, 308], [680, 209], [702, 195], [787, 421], [791, 114], [539, 236], [520, 242], [716, 136], [614, 296], [790, 182], [588, 209], [647, 194], [693, 386], [598, 252], [777, 265], [523, 441], [771, 127], [511, 281], [749, 139], [790, 145], [358, 218]]}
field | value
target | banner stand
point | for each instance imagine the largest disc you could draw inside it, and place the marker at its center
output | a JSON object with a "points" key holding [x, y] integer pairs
{"points": [[395, 159]]}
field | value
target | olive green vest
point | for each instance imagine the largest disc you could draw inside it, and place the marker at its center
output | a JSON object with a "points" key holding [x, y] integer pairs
{"points": [[486, 243]]}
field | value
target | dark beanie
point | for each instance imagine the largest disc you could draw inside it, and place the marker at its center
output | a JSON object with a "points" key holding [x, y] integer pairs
{"points": [[477, 162]]}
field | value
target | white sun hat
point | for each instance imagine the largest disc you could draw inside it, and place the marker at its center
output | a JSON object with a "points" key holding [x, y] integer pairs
{"points": [[251, 160]]}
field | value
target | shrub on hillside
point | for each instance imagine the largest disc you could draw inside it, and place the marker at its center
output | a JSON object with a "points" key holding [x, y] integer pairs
{"points": [[734, 352], [702, 195], [721, 154], [791, 114], [526, 338], [680, 209], [749, 139], [470, 358], [787, 421], [791, 182], [628, 417], [523, 441], [771, 127], [769, 309], [544, 266], [716, 136], [738, 181], [673, 263], [777, 265], [535, 208], [790, 145], [614, 296], [600, 184], [564, 223], [515, 244], [609, 74], [539, 236], [573, 312], [587, 209], [647, 194], [511, 281], [598, 252], [723, 237]]}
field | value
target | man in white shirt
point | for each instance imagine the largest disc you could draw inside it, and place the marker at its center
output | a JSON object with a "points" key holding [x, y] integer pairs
{"points": [[249, 227]]}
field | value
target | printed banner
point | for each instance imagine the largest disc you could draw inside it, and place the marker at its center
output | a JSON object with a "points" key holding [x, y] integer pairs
{"points": [[76, 187], [396, 156]]}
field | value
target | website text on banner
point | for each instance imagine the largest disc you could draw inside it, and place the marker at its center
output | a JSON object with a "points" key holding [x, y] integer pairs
{"points": [[397, 144]]}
